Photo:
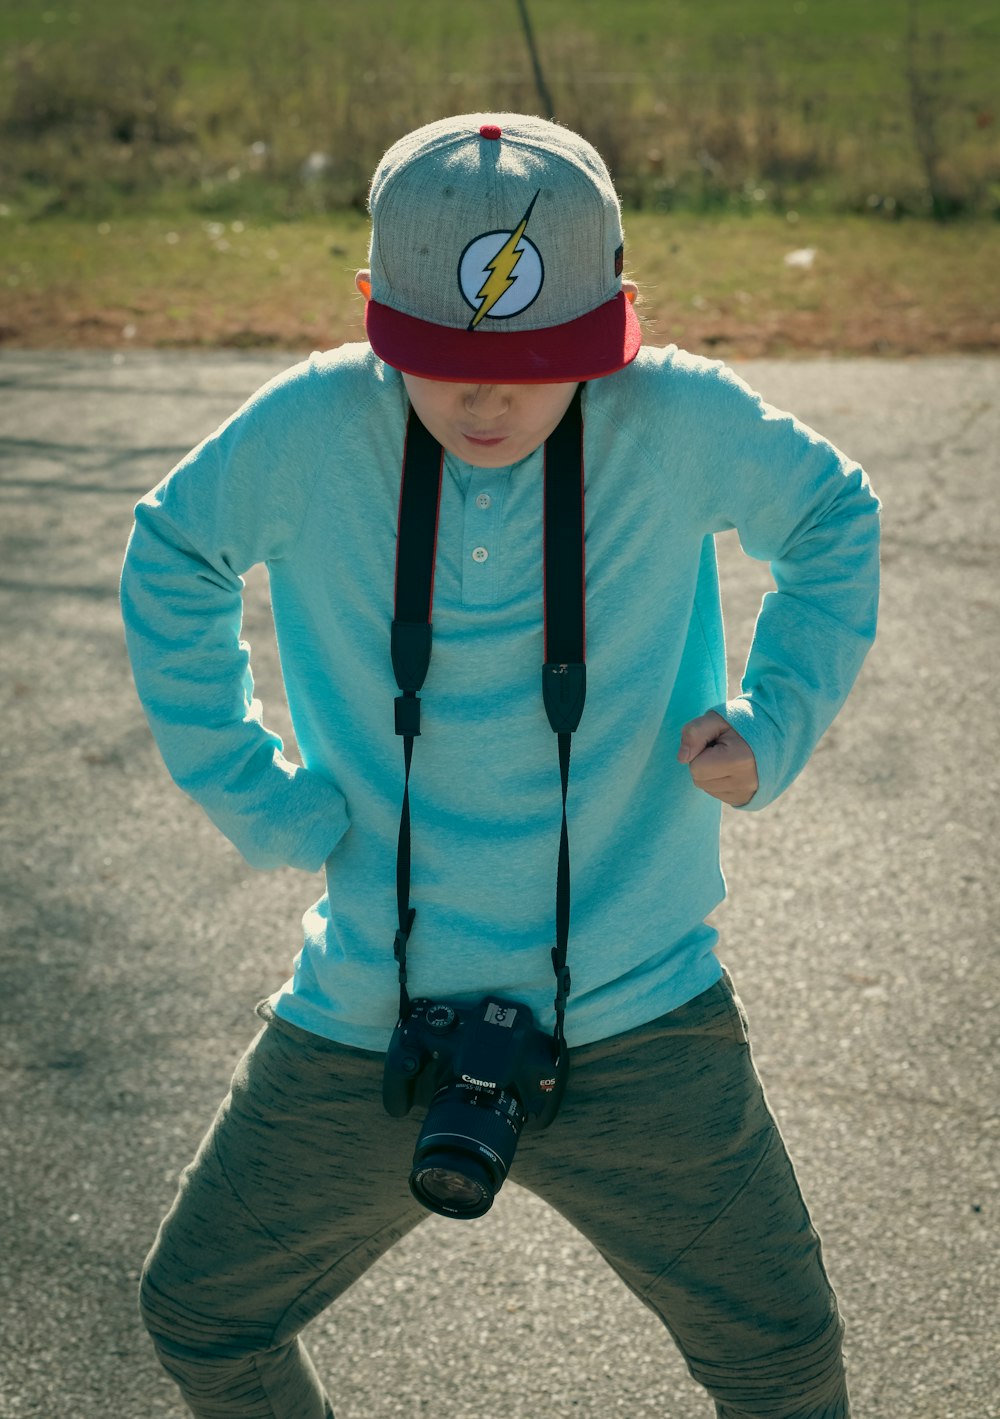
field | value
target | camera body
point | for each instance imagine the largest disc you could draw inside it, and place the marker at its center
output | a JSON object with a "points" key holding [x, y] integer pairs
{"points": [[490, 1047], [483, 1072]]}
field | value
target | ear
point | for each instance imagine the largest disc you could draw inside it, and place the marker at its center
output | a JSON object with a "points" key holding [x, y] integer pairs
{"points": [[631, 291], [363, 282]]}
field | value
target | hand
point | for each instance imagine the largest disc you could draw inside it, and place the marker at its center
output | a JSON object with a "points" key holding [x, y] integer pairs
{"points": [[722, 762]]}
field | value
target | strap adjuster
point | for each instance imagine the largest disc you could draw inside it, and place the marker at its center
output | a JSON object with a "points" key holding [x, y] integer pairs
{"points": [[562, 986], [408, 715], [400, 943], [564, 690]]}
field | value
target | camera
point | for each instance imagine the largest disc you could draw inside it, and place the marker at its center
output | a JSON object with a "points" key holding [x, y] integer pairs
{"points": [[483, 1073]]}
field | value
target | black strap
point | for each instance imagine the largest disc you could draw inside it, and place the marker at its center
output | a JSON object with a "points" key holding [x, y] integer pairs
{"points": [[564, 678], [564, 579], [564, 672], [419, 506]]}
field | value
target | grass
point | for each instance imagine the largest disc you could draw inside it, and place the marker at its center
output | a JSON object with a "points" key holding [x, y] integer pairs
{"points": [[189, 174], [715, 286], [106, 106]]}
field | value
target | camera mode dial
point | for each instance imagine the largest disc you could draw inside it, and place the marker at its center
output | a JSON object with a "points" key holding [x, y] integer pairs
{"points": [[440, 1017]]}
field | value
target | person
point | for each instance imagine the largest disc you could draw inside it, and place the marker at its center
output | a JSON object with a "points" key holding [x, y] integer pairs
{"points": [[495, 293]]}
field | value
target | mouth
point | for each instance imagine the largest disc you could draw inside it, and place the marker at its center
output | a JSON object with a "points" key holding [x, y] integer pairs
{"points": [[485, 440]]}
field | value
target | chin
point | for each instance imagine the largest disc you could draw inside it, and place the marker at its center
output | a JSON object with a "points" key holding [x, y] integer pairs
{"points": [[490, 458]]}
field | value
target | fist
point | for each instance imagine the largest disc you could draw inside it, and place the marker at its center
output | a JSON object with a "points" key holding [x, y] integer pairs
{"points": [[722, 762]]}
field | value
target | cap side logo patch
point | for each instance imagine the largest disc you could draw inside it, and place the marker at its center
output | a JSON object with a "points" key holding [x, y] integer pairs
{"points": [[501, 273]]}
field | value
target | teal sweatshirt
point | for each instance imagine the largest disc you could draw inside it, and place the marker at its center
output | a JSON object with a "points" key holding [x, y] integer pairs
{"points": [[305, 479]]}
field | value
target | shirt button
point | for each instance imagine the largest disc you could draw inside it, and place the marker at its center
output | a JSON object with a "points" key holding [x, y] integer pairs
{"points": [[483, 500], [480, 554]]}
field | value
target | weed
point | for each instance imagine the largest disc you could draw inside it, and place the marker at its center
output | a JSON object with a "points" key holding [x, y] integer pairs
{"points": [[226, 109]]}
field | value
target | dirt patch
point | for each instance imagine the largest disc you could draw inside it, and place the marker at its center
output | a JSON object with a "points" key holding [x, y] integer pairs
{"points": [[49, 322]]}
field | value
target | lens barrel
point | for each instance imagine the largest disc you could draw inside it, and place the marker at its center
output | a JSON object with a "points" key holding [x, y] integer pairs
{"points": [[465, 1150]]}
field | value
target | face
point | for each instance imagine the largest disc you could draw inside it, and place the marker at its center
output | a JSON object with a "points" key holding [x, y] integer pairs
{"points": [[488, 425]]}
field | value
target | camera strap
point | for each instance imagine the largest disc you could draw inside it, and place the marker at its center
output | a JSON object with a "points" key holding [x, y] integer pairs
{"points": [[564, 671]]}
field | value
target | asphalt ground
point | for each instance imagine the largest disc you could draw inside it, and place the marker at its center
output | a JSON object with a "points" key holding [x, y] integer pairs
{"points": [[860, 930]]}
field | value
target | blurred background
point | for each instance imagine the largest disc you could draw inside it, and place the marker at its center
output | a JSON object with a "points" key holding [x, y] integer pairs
{"points": [[219, 154]]}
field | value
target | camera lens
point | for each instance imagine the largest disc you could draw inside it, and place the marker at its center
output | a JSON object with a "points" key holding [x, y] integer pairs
{"points": [[452, 1191], [465, 1150]]}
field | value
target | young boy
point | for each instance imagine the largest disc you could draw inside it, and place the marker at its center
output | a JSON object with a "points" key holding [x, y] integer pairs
{"points": [[495, 293]]}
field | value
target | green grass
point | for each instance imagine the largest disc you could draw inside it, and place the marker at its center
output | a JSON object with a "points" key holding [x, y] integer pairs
{"points": [[214, 106], [713, 285]]}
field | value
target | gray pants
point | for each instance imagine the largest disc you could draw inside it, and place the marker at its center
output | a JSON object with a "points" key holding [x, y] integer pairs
{"points": [[664, 1155]]}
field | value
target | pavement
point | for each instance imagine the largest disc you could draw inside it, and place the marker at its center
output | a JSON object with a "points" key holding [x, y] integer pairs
{"points": [[861, 930]]}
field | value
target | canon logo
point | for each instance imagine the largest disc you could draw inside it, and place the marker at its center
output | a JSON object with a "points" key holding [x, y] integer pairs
{"points": [[479, 1083]]}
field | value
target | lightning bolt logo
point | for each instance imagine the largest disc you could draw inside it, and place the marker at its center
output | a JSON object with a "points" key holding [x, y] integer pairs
{"points": [[501, 269]]}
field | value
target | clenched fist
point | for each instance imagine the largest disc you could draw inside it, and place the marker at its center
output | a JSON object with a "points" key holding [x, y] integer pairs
{"points": [[722, 762]]}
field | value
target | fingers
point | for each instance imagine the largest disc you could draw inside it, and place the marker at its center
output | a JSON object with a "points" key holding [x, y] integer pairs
{"points": [[721, 761], [698, 733], [734, 791], [726, 770]]}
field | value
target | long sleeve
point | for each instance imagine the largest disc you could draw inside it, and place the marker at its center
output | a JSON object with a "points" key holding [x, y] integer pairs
{"points": [[799, 504], [239, 499]]}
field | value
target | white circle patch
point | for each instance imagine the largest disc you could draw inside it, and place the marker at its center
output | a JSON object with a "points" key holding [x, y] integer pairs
{"points": [[509, 284]]}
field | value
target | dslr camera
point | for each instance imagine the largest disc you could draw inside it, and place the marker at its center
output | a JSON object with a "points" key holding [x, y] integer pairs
{"points": [[483, 1073]]}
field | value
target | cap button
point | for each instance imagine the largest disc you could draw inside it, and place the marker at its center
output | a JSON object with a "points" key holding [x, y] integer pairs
{"points": [[489, 130]]}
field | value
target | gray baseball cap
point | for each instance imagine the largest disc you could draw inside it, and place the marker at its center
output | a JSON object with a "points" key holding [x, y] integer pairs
{"points": [[496, 255]]}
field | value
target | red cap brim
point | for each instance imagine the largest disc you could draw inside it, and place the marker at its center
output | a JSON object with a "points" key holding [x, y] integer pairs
{"points": [[598, 343]]}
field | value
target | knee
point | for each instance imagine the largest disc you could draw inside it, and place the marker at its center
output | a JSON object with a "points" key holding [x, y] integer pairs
{"points": [[198, 1352], [804, 1381], [159, 1314], [177, 1329]]}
